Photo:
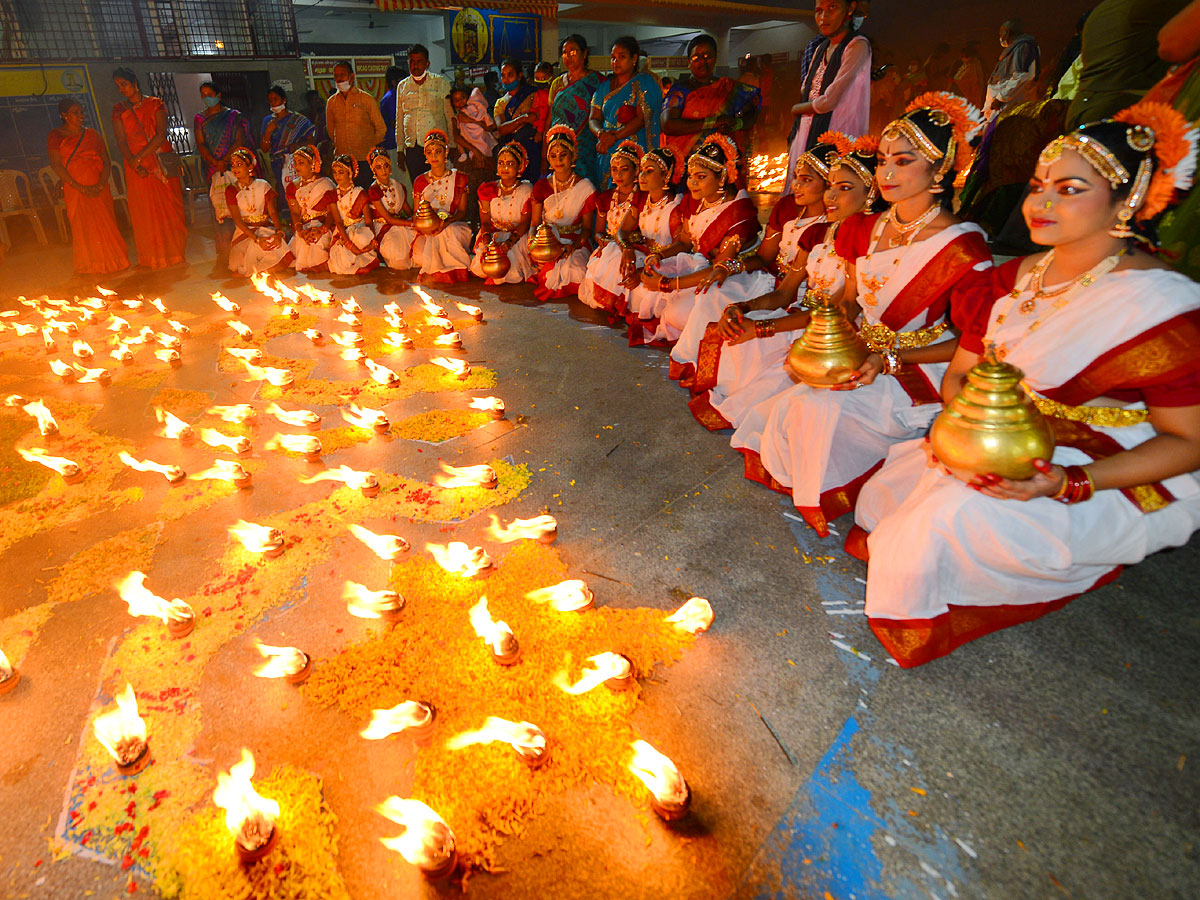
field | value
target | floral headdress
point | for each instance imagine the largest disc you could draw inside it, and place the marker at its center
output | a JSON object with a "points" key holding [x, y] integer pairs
{"points": [[1167, 143], [246, 155], [377, 152], [515, 150], [437, 136], [631, 150], [662, 158], [349, 162], [859, 157], [310, 152], [939, 108], [717, 153], [829, 145], [562, 134]]}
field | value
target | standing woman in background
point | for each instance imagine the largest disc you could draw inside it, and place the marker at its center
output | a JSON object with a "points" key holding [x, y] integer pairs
{"points": [[627, 105], [219, 131], [836, 87], [283, 133], [521, 115], [571, 103], [80, 159], [151, 174]]}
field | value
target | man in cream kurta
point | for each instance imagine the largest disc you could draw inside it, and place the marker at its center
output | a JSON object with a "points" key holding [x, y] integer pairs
{"points": [[422, 103]]}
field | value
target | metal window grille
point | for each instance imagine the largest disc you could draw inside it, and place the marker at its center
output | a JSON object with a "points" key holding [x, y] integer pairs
{"points": [[146, 29], [162, 85]]}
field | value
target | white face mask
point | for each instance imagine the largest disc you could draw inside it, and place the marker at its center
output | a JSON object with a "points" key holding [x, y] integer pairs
{"points": [[343, 86], [279, 109]]}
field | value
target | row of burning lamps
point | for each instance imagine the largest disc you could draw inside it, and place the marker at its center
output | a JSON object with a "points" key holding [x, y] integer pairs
{"points": [[427, 841]]}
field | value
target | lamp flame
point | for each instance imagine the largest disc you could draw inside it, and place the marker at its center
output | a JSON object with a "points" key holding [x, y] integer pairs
{"points": [[6, 668], [386, 722], [457, 367], [451, 339], [693, 617], [566, 596], [347, 339], [497, 635], [122, 731], [363, 417], [172, 426], [259, 280], [427, 842], [605, 666], [351, 306], [169, 341], [524, 737], [313, 335], [241, 328], [236, 415], [61, 369], [385, 546], [222, 470], [660, 776], [316, 295], [82, 349], [466, 476], [493, 405], [171, 473], [348, 476], [428, 303], [397, 340], [249, 817], [257, 538], [459, 559], [178, 327], [364, 603], [45, 419], [166, 355], [381, 373], [353, 354], [225, 303], [767, 173], [64, 467], [350, 319], [134, 592], [439, 321], [269, 374], [300, 418], [522, 529], [280, 661], [233, 444], [473, 311], [245, 354], [296, 443]]}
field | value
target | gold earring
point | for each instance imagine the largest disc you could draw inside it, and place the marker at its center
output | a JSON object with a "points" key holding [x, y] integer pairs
{"points": [[1122, 229]]}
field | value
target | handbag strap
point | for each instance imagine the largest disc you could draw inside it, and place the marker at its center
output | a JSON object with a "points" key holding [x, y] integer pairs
{"points": [[78, 143]]}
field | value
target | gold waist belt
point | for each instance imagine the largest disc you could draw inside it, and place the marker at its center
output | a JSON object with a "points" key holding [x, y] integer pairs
{"points": [[255, 220], [1099, 416], [314, 217], [880, 337], [510, 227]]}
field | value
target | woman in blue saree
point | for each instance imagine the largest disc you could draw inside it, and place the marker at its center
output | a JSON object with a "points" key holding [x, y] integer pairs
{"points": [[219, 131], [626, 106], [571, 103], [283, 132], [521, 115]]}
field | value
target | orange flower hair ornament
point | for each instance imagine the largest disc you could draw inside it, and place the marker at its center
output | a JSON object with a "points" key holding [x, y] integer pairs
{"points": [[1173, 141], [437, 136], [563, 134], [866, 145], [377, 152], [706, 156], [628, 148], [515, 150], [841, 141]]}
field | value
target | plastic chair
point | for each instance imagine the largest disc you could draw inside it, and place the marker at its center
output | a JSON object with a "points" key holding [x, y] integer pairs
{"points": [[16, 200], [194, 187], [50, 187], [117, 186]]}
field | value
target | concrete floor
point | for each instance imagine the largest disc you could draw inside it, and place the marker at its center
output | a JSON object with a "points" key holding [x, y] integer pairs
{"points": [[1057, 759]]}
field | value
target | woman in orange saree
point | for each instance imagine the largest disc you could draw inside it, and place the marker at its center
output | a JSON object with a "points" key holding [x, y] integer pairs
{"points": [[80, 159], [154, 193]]}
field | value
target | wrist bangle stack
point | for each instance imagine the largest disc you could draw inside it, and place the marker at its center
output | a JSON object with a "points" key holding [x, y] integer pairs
{"points": [[764, 328], [892, 363], [1077, 485]]}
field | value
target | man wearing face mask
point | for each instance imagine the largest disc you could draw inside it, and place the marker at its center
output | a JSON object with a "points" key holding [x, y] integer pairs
{"points": [[1015, 76], [422, 105], [353, 120]]}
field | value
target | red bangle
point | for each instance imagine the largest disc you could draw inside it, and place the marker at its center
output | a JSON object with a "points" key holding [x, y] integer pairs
{"points": [[1077, 486]]}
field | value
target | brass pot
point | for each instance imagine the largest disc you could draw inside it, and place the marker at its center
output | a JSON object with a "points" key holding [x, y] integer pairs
{"points": [[425, 220], [495, 262], [544, 246], [992, 426], [830, 350]]}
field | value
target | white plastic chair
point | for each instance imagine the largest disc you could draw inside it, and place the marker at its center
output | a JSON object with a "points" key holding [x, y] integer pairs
{"points": [[49, 181], [16, 200]]}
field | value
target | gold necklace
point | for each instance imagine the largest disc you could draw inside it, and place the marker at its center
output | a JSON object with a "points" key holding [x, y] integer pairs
{"points": [[559, 186], [1037, 277], [903, 230]]}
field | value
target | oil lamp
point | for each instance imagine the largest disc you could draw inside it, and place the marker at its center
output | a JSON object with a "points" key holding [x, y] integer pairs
{"points": [[497, 635], [459, 368], [440, 322], [427, 302], [290, 312], [670, 796], [300, 418], [426, 842], [122, 354], [363, 603], [45, 419], [382, 374], [492, 405], [572, 595], [525, 738], [82, 350], [307, 444], [123, 734], [234, 444], [70, 471], [245, 354], [398, 340], [239, 414], [315, 336], [225, 470], [351, 306], [316, 295], [96, 376], [361, 417], [170, 341], [249, 817], [354, 354], [9, 676], [543, 528], [351, 321], [269, 374], [226, 304], [483, 476], [173, 474], [116, 324], [173, 427], [170, 357], [62, 370], [459, 559], [451, 340], [414, 716], [179, 327], [366, 482], [473, 311], [385, 546], [292, 665], [611, 669], [48, 340], [258, 538], [176, 615], [243, 330], [694, 617]]}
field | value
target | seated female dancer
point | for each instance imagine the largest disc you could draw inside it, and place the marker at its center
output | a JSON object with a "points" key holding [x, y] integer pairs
{"points": [[718, 220], [1106, 337], [310, 199], [566, 202], [903, 266], [504, 212], [353, 251], [445, 255], [258, 244], [605, 283], [744, 354], [795, 216], [389, 201]]}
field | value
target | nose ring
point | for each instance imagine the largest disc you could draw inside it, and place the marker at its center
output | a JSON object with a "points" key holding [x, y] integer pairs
{"points": [[1047, 205], [888, 176]]}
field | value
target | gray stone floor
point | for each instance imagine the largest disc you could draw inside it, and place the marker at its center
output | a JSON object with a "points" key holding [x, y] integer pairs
{"points": [[1056, 759]]}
